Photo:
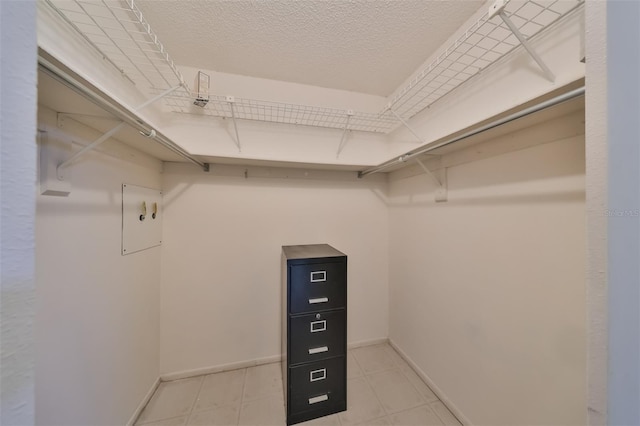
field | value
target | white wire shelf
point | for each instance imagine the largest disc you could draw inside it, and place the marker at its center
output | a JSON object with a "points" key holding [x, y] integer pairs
{"points": [[119, 32], [280, 112], [482, 44]]}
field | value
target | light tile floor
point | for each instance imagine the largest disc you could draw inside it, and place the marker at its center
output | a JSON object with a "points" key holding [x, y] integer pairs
{"points": [[382, 389]]}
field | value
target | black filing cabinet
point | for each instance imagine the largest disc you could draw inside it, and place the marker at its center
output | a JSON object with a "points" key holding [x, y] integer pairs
{"points": [[314, 331]]}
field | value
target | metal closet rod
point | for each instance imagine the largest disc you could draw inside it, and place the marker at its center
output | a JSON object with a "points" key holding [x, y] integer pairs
{"points": [[123, 114], [527, 111]]}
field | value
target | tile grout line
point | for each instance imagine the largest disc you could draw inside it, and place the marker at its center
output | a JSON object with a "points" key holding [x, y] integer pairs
{"points": [[375, 394], [163, 418], [399, 368], [347, 373], [366, 378], [447, 408], [363, 375], [428, 403], [193, 404]]}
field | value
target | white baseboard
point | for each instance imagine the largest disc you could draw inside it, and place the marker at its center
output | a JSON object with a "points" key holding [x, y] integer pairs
{"points": [[218, 368], [250, 363], [369, 342], [144, 402], [445, 400]]}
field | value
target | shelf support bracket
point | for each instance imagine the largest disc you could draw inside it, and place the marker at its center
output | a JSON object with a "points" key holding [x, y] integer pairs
{"points": [[343, 141], [405, 124], [231, 100], [108, 134], [441, 190], [525, 43]]}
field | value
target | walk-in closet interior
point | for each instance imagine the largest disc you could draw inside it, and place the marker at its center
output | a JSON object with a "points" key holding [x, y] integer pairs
{"points": [[436, 147]]}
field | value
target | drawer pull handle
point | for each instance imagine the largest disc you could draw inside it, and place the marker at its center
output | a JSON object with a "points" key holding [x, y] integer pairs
{"points": [[317, 326], [318, 276], [317, 399], [317, 375], [313, 351], [318, 300]]}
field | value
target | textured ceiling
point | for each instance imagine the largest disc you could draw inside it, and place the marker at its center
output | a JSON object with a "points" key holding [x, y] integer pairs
{"points": [[364, 46]]}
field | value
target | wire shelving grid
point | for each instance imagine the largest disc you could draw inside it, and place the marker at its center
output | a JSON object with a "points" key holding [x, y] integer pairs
{"points": [[280, 112], [482, 44], [119, 32]]}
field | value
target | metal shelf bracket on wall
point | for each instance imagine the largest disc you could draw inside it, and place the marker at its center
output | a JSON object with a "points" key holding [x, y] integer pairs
{"points": [[343, 141], [441, 190], [111, 132], [404, 123], [231, 100], [497, 8]]}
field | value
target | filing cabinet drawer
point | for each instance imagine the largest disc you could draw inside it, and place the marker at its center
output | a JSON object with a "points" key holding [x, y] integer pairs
{"points": [[317, 336], [318, 385], [316, 287]]}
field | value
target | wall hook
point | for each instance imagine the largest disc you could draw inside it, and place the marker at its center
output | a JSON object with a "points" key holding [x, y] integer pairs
{"points": [[144, 211]]}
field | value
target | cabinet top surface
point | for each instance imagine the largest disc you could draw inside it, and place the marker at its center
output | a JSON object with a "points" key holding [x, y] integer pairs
{"points": [[310, 251]]}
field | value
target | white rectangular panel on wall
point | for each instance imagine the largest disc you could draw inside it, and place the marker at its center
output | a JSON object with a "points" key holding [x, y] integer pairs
{"points": [[141, 218]]}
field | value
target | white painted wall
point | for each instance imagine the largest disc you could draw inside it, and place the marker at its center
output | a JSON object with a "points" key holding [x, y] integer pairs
{"points": [[17, 212], [97, 324], [596, 206], [221, 257], [487, 291]]}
